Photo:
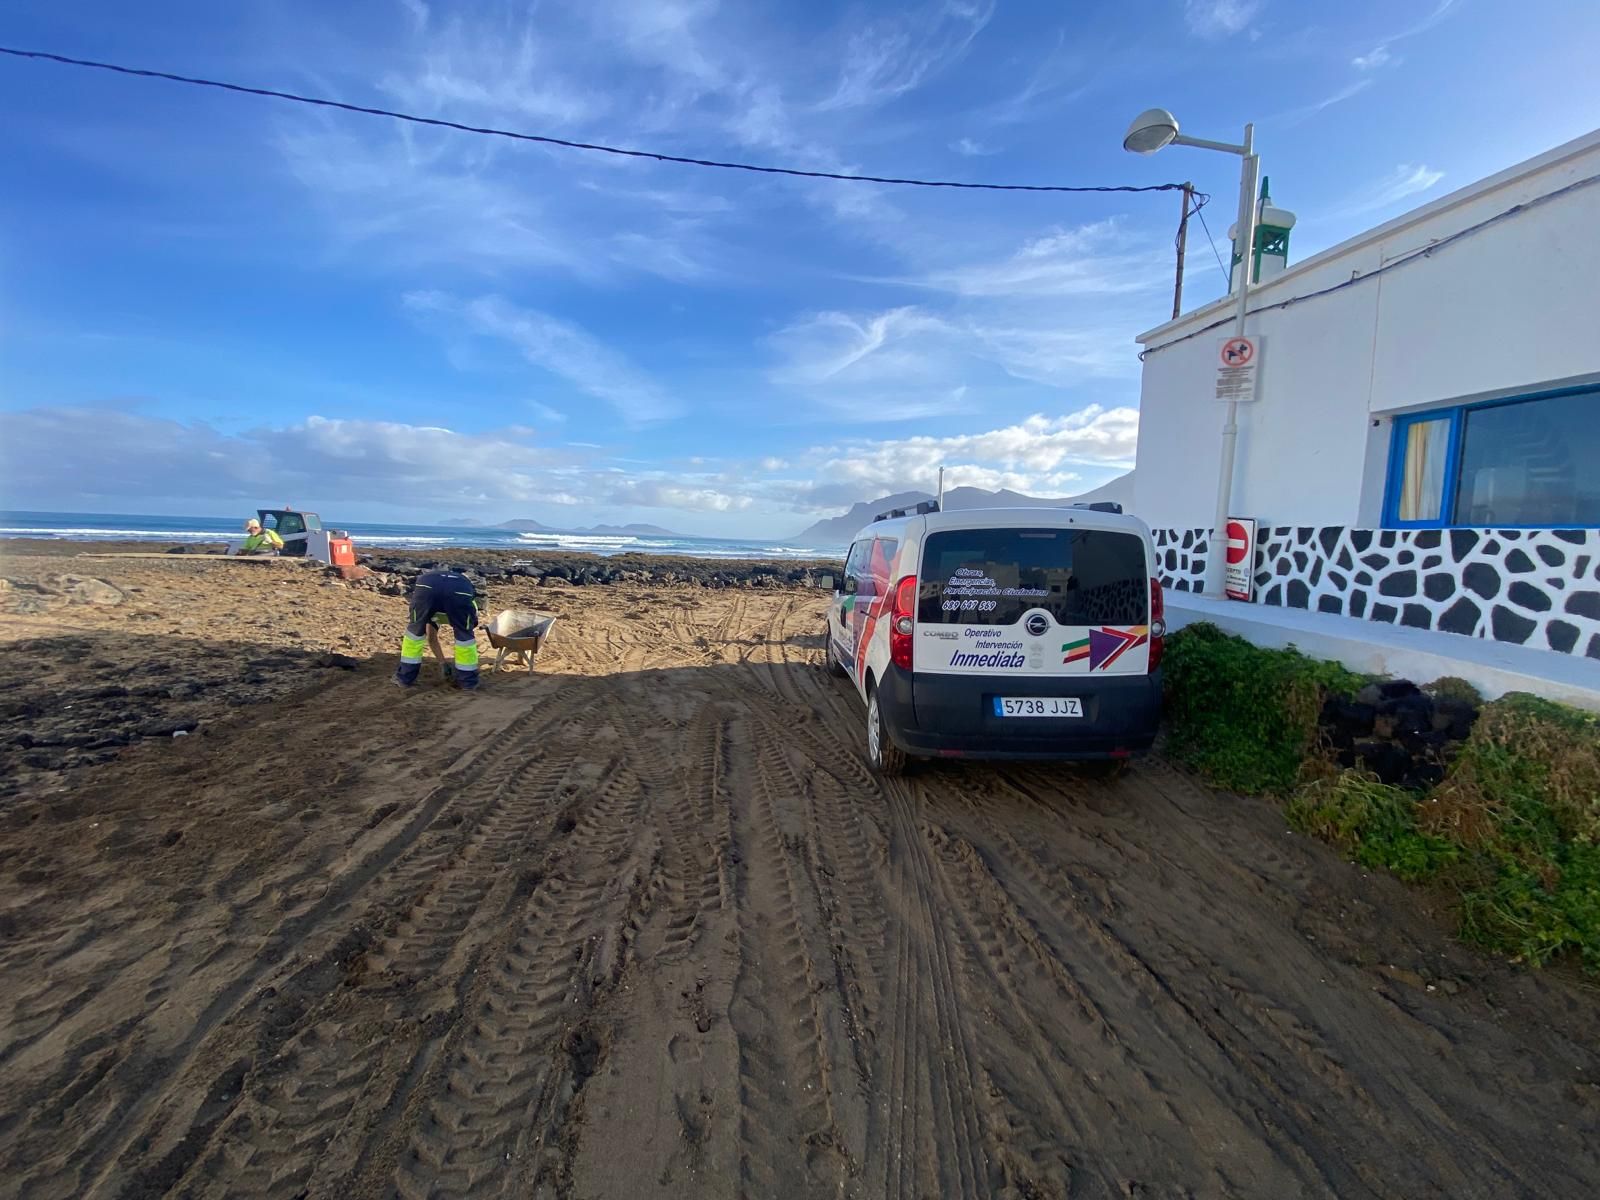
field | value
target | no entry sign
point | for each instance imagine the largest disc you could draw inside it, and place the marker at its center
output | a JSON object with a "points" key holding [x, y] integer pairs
{"points": [[1239, 556], [1238, 362]]}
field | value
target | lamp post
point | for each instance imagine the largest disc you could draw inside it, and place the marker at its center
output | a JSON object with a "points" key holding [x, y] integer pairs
{"points": [[1152, 130]]}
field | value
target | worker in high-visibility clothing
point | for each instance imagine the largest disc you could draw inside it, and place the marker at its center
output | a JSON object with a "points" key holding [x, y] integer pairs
{"points": [[258, 540], [449, 594]]}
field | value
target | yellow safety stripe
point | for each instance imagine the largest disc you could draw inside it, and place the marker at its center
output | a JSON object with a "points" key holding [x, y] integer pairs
{"points": [[411, 648], [467, 656]]}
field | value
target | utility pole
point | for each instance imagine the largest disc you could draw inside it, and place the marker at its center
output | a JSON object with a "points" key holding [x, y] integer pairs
{"points": [[1183, 243]]}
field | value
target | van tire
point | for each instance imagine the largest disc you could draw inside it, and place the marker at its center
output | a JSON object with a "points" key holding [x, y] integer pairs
{"points": [[883, 756]]}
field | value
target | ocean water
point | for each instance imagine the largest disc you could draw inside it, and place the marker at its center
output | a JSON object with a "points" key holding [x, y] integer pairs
{"points": [[123, 527]]}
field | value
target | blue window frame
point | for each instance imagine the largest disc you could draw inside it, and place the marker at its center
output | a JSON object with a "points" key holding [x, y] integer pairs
{"points": [[1477, 465]]}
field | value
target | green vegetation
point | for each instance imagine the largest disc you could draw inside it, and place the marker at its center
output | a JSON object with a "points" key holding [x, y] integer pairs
{"points": [[1511, 835], [1374, 822], [1522, 800], [1451, 687], [1245, 716]]}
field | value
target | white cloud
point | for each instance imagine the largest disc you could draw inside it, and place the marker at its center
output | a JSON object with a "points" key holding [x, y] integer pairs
{"points": [[1295, 115], [658, 493], [1403, 182], [559, 347], [890, 57], [1062, 262], [545, 413], [81, 456], [971, 148], [1219, 18], [105, 458], [1380, 56], [1036, 456], [910, 362], [108, 458]]}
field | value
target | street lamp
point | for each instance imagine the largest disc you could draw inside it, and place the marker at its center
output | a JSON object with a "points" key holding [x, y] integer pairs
{"points": [[1150, 131]]}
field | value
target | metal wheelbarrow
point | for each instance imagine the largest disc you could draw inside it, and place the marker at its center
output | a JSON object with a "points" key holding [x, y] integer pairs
{"points": [[519, 632]]}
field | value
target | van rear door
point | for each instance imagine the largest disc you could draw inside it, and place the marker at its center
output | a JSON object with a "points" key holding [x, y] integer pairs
{"points": [[1033, 603]]}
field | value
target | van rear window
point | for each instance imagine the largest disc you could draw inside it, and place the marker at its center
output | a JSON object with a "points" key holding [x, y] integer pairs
{"points": [[993, 576]]}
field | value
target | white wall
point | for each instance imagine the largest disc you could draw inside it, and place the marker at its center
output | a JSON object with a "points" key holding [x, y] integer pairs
{"points": [[1508, 309]]}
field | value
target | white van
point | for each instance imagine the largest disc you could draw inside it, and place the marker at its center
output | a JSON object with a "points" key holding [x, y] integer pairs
{"points": [[1001, 633]]}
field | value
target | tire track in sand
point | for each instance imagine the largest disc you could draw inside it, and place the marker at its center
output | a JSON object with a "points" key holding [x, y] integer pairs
{"points": [[790, 1138], [498, 1117], [316, 1108], [152, 1118], [930, 1141]]}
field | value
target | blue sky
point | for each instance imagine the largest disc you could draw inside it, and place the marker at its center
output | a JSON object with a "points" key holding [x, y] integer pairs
{"points": [[211, 301]]}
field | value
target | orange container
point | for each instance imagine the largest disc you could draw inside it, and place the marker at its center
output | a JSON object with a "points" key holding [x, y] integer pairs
{"points": [[342, 552]]}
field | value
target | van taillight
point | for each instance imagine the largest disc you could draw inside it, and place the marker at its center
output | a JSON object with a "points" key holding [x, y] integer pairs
{"points": [[1158, 623], [903, 622]]}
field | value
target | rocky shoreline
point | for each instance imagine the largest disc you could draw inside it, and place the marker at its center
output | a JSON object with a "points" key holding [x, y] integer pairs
{"points": [[566, 567], [579, 570]]}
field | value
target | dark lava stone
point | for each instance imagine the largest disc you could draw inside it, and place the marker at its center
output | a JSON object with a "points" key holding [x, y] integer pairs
{"points": [[1528, 596], [1508, 626], [1460, 617], [1584, 604], [1348, 716], [1397, 689], [1454, 718], [1384, 759], [1422, 776], [1561, 636], [1417, 616], [1440, 586], [1481, 578], [1400, 583], [1411, 714]]}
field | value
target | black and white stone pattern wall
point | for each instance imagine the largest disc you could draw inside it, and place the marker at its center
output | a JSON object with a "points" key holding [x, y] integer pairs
{"points": [[1530, 587]]}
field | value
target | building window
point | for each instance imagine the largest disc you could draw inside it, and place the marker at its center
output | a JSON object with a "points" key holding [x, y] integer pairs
{"points": [[1517, 463], [1425, 448]]}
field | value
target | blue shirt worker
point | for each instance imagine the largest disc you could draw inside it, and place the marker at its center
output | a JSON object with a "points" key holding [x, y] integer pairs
{"points": [[447, 594]]}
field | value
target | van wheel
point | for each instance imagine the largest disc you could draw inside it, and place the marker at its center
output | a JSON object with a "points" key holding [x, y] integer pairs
{"points": [[882, 754], [833, 666]]}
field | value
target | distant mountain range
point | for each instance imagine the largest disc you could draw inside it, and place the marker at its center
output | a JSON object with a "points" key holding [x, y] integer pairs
{"points": [[837, 531], [524, 525]]}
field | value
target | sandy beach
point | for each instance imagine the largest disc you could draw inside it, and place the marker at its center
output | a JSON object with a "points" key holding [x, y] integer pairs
{"points": [[640, 923]]}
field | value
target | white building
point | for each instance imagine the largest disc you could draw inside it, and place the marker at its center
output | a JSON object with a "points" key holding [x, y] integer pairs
{"points": [[1425, 446]]}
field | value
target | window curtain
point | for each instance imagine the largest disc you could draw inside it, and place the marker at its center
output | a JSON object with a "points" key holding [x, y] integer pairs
{"points": [[1422, 485]]}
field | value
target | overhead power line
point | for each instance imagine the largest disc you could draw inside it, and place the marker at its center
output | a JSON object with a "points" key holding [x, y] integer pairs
{"points": [[1226, 274], [542, 139]]}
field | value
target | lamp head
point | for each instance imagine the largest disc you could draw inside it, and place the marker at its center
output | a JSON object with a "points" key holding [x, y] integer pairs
{"points": [[1150, 131]]}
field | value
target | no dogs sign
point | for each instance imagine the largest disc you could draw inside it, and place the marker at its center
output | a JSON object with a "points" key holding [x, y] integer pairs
{"points": [[1238, 361]]}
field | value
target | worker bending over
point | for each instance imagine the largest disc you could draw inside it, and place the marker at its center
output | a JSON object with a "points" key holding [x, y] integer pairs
{"points": [[449, 594], [258, 540]]}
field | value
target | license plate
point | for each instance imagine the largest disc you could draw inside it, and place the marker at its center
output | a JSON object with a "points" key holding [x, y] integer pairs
{"points": [[1038, 706]]}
